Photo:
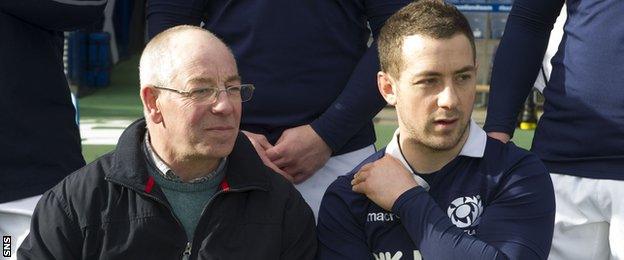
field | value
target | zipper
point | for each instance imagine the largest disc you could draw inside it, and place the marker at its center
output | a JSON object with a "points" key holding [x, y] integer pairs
{"points": [[186, 254], [187, 251], [188, 243]]}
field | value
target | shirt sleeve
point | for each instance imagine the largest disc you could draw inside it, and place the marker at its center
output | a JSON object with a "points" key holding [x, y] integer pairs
{"points": [[360, 100], [517, 224], [164, 14], [526, 35], [56, 15], [340, 234]]}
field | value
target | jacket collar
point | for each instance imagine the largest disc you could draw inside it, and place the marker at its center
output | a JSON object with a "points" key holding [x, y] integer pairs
{"points": [[129, 166], [473, 147]]}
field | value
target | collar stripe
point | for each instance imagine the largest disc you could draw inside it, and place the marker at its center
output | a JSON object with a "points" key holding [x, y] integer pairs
{"points": [[149, 185], [224, 185]]}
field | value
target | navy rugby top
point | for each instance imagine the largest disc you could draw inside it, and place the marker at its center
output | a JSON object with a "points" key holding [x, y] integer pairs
{"points": [[581, 132], [493, 201]]}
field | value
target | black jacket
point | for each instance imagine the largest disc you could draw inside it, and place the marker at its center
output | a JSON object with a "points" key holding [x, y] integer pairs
{"points": [[110, 210], [39, 139]]}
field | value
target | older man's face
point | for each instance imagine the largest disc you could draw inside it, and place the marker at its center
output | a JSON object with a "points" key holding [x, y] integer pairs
{"points": [[196, 128]]}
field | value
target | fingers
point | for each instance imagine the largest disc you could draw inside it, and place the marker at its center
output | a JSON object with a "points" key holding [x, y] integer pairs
{"points": [[261, 144], [359, 180], [283, 162], [259, 140], [276, 152], [301, 177], [503, 137]]}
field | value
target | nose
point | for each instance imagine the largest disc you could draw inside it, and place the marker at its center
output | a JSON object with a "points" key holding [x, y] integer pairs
{"points": [[448, 98], [223, 104]]}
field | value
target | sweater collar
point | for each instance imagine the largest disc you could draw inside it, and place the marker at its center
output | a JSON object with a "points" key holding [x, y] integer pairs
{"points": [[129, 167]]}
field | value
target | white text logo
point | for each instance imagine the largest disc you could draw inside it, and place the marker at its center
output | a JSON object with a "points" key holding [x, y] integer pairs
{"points": [[396, 256], [381, 217]]}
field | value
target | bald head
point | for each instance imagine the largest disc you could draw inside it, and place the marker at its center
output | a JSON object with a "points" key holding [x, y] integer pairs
{"points": [[174, 49]]}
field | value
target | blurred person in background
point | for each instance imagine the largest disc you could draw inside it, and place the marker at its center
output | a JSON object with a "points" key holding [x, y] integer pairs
{"points": [[580, 136], [39, 138]]}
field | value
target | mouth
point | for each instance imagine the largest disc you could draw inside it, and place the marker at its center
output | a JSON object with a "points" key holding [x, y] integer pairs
{"points": [[445, 122], [220, 128]]}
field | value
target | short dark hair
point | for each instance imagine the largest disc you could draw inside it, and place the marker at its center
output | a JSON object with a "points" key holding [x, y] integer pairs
{"points": [[432, 18]]}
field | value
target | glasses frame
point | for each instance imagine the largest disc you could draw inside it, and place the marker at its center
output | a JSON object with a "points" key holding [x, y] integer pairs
{"points": [[189, 94]]}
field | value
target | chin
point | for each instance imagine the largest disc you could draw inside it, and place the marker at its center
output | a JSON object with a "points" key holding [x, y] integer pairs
{"points": [[219, 151]]}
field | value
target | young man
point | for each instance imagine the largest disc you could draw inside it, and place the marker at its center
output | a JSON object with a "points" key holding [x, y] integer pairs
{"points": [[189, 186], [441, 189]]}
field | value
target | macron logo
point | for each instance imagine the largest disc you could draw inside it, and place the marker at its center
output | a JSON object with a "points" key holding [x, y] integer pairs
{"points": [[396, 256], [380, 217]]}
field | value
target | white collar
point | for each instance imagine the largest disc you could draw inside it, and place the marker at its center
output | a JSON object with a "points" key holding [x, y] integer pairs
{"points": [[474, 147]]}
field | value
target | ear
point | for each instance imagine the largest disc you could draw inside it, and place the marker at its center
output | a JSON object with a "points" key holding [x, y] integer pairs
{"points": [[151, 107], [386, 84]]}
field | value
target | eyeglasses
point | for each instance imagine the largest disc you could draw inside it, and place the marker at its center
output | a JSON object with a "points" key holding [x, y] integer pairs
{"points": [[210, 94]]}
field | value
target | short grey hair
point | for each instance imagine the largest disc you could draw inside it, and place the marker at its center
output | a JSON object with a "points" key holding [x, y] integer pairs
{"points": [[156, 67]]}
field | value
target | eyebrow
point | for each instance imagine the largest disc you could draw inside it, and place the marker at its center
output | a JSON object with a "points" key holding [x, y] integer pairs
{"points": [[435, 73], [465, 69], [212, 81]]}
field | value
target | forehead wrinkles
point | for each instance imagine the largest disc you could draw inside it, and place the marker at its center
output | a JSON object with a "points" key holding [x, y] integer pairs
{"points": [[205, 69]]}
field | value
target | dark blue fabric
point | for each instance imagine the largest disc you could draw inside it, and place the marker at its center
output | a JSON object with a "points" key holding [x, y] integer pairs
{"points": [[308, 60], [39, 139], [582, 130], [515, 221]]}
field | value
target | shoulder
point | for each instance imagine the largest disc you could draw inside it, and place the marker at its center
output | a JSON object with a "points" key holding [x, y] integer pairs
{"points": [[82, 190], [507, 158], [517, 172]]}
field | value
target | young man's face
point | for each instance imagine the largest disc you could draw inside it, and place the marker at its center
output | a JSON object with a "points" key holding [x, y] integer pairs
{"points": [[435, 91]]}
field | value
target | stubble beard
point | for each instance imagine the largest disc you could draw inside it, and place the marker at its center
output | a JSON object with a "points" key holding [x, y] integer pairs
{"points": [[430, 140]]}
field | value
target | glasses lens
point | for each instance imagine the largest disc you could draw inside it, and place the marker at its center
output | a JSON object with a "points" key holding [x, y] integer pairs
{"points": [[246, 91], [203, 94]]}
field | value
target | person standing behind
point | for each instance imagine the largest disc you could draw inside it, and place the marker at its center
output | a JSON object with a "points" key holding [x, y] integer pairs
{"points": [[580, 136], [311, 117], [39, 138]]}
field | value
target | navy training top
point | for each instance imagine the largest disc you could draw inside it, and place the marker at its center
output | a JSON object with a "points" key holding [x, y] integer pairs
{"points": [[497, 206], [39, 138], [581, 132], [308, 59]]}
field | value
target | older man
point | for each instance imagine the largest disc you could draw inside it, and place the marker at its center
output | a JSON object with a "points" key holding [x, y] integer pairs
{"points": [[191, 186], [441, 189]]}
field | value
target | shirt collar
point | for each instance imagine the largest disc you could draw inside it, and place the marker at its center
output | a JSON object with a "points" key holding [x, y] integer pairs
{"points": [[166, 171], [474, 147]]}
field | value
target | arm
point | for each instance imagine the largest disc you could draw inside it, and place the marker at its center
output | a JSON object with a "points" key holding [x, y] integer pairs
{"points": [[526, 35], [340, 234], [299, 240], [360, 100], [54, 234], [518, 224], [57, 15], [164, 14]]}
